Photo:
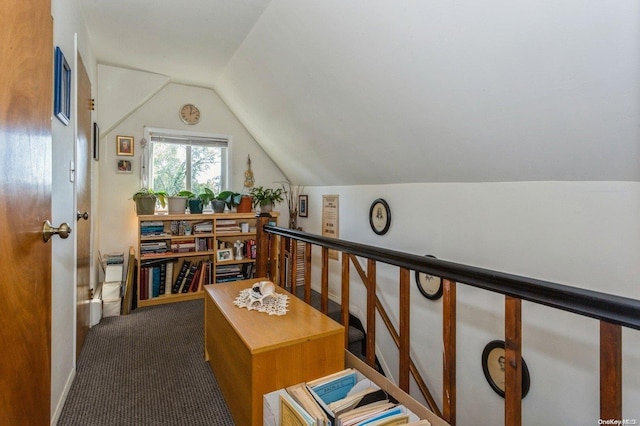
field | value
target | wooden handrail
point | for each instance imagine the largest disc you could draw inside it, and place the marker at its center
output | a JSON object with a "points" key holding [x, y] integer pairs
{"points": [[602, 306], [613, 312]]}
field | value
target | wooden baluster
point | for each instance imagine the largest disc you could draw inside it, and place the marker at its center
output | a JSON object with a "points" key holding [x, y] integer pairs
{"points": [[513, 362], [307, 273], [610, 371], [404, 330], [293, 264], [273, 259], [371, 312], [449, 355], [344, 298], [282, 262], [324, 285]]}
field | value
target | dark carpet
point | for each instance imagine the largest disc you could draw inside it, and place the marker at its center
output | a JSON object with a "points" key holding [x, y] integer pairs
{"points": [[146, 368]]}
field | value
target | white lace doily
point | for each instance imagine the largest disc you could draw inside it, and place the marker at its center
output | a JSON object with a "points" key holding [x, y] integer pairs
{"points": [[275, 304]]}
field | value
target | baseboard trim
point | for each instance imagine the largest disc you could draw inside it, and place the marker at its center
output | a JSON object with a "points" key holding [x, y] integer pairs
{"points": [[65, 392]]}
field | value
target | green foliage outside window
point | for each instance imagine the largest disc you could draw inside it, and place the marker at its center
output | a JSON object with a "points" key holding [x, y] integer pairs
{"points": [[177, 167]]}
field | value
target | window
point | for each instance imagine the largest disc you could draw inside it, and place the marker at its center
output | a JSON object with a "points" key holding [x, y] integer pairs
{"points": [[175, 161]]}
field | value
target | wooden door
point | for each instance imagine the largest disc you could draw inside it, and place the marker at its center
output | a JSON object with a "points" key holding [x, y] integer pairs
{"points": [[26, 52], [83, 203]]}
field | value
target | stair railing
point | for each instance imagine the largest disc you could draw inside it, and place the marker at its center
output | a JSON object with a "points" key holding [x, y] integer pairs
{"points": [[612, 311]]}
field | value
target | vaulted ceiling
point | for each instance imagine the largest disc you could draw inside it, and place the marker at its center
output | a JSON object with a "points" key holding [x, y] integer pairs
{"points": [[383, 91]]}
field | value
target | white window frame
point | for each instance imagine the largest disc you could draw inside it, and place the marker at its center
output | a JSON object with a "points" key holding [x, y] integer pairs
{"points": [[195, 138]]}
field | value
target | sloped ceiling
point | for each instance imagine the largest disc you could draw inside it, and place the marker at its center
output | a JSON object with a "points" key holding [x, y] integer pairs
{"points": [[382, 91]]}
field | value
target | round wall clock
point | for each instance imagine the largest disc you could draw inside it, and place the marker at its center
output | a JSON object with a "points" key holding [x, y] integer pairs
{"points": [[429, 285], [494, 364], [380, 216], [189, 114]]}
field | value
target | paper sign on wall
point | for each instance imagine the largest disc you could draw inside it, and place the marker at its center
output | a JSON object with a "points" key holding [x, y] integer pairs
{"points": [[330, 223]]}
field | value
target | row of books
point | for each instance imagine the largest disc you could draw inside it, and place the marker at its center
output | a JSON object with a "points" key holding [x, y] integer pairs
{"points": [[156, 279], [234, 272], [192, 244], [345, 398], [176, 246]]}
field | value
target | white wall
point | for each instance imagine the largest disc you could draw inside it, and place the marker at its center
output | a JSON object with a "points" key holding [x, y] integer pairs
{"points": [[69, 33], [584, 234], [117, 228]]}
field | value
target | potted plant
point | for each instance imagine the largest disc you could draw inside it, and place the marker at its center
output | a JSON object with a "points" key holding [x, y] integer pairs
{"points": [[231, 199], [197, 202], [266, 198], [146, 198], [177, 203]]}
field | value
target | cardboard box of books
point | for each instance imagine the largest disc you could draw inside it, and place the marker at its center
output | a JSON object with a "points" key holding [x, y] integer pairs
{"points": [[357, 395]]}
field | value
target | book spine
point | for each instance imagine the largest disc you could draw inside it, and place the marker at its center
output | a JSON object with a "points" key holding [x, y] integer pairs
{"points": [[156, 281], [181, 275], [196, 278], [188, 278], [168, 277], [162, 279], [142, 283]]}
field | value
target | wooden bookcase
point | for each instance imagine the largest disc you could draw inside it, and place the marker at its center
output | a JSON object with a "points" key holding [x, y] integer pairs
{"points": [[168, 242]]}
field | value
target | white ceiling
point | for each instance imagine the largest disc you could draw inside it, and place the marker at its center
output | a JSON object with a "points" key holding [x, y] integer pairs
{"points": [[381, 91], [190, 41]]}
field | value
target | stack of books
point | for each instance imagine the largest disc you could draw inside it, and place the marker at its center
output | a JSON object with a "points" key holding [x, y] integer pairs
{"points": [[152, 228], [153, 247], [227, 226], [205, 227], [345, 398]]}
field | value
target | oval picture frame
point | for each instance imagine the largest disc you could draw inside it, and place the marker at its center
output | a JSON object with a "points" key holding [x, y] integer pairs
{"points": [[380, 216], [493, 364], [430, 286]]}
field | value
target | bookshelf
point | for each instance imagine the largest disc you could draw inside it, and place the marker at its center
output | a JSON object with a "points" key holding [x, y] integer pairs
{"points": [[179, 254]]}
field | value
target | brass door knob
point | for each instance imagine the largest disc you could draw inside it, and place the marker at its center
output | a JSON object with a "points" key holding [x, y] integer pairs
{"points": [[48, 231]]}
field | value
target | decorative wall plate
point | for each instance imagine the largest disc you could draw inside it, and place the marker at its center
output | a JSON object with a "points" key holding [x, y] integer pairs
{"points": [[493, 366], [429, 285], [380, 216]]}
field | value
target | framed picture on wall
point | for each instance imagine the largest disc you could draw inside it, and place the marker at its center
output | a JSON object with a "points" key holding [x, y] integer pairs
{"points": [[123, 166], [62, 88], [96, 142], [494, 365], [303, 205], [380, 216], [430, 286], [124, 145]]}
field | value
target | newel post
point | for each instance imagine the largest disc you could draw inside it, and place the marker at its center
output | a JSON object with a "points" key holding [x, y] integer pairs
{"points": [[262, 242]]}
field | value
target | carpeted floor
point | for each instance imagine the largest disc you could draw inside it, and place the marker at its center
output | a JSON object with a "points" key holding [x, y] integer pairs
{"points": [[146, 368]]}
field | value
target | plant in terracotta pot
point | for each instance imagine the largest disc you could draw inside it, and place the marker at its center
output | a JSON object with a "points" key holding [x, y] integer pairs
{"points": [[266, 198], [146, 198]]}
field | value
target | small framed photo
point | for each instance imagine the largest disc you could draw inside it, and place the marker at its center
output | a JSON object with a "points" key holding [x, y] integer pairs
{"points": [[380, 216], [224, 254], [62, 88], [123, 166], [494, 364], [96, 142], [430, 286], [303, 205], [124, 145]]}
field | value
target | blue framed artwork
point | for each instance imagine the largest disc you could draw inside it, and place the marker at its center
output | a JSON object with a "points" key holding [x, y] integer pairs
{"points": [[62, 88]]}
